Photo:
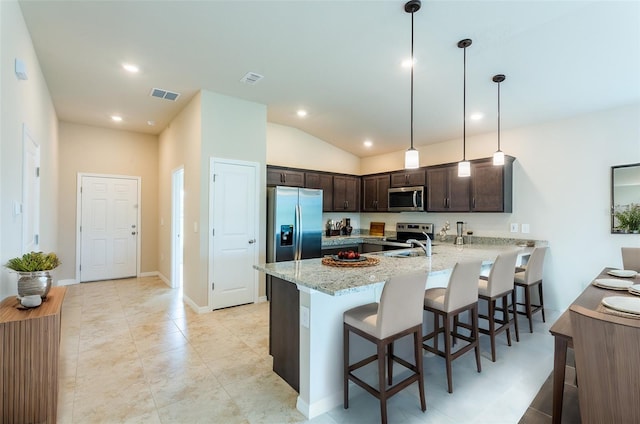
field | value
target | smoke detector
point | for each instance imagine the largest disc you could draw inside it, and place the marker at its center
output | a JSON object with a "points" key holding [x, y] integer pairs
{"points": [[251, 78], [164, 94]]}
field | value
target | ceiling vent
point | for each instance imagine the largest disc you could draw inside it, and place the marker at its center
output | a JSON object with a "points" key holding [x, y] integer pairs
{"points": [[164, 94], [251, 78]]}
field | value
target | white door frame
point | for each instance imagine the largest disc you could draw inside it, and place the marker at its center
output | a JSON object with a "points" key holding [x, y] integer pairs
{"points": [[210, 264], [79, 216], [30, 207], [177, 209]]}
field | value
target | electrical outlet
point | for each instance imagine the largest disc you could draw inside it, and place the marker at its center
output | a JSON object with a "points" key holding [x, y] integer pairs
{"points": [[304, 316], [514, 228], [525, 228]]}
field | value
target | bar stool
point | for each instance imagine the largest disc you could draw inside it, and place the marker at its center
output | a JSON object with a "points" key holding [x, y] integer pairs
{"points": [[528, 279], [499, 285], [398, 314], [460, 295], [631, 258]]}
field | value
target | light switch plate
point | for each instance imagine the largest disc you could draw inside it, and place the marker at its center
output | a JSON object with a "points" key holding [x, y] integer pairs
{"points": [[514, 228], [525, 228]]}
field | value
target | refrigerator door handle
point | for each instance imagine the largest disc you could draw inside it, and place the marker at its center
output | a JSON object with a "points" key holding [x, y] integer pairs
{"points": [[298, 233]]}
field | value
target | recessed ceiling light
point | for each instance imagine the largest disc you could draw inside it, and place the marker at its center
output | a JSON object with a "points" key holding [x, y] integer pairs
{"points": [[476, 116], [151, 123], [302, 113], [368, 143], [130, 68], [116, 118]]}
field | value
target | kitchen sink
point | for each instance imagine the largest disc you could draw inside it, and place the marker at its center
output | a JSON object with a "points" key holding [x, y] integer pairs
{"points": [[404, 253]]}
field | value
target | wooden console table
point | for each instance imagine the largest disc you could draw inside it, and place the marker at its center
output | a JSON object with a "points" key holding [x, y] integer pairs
{"points": [[29, 349], [563, 336]]}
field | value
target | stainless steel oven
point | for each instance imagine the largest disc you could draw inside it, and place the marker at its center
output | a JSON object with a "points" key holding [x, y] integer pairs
{"points": [[406, 199]]}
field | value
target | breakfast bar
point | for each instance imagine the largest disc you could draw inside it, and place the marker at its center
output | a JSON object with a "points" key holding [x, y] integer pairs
{"points": [[324, 292]]}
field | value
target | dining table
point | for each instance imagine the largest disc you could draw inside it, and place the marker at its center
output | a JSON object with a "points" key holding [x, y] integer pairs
{"points": [[590, 298]]}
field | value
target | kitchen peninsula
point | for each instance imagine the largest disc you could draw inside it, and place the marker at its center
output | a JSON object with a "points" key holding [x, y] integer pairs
{"points": [[306, 335]]}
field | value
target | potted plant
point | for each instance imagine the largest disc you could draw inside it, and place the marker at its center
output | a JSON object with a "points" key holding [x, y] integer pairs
{"points": [[629, 219], [33, 270]]}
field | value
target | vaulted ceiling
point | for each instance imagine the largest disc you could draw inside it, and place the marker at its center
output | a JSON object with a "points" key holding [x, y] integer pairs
{"points": [[341, 61]]}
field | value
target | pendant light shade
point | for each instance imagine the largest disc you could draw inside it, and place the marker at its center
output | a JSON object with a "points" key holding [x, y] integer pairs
{"points": [[464, 167], [498, 156], [412, 157]]}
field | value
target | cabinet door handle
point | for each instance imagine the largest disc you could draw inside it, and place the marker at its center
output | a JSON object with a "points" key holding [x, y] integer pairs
{"points": [[473, 202]]}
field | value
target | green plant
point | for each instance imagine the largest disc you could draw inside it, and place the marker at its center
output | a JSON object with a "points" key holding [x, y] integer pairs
{"points": [[33, 261], [629, 219]]}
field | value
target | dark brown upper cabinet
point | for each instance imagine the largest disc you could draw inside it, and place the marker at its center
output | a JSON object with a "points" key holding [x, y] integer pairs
{"points": [[408, 178], [324, 182], [346, 193], [446, 192], [284, 177], [491, 186], [375, 190]]}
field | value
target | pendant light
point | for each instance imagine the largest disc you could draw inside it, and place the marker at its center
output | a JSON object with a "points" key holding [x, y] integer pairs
{"points": [[498, 156], [411, 156], [464, 167]]}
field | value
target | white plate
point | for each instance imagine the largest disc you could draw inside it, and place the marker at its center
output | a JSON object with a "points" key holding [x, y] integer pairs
{"points": [[610, 283], [635, 289], [622, 273], [630, 305]]}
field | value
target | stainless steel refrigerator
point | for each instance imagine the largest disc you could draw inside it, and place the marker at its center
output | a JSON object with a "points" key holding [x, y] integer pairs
{"points": [[294, 223]]}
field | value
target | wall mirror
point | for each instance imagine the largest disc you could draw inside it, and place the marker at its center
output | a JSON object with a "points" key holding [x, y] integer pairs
{"points": [[625, 199]]}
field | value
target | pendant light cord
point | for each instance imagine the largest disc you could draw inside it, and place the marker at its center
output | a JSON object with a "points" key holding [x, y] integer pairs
{"points": [[412, 63], [498, 116], [464, 106]]}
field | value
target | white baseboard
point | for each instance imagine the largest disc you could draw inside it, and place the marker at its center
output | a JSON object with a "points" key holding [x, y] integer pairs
{"points": [[164, 279], [261, 299], [148, 274], [67, 282], [197, 309]]}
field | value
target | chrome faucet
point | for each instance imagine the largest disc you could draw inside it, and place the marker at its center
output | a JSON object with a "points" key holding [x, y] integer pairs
{"points": [[426, 247]]}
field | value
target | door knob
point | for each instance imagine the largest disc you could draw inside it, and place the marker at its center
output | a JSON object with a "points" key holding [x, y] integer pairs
{"points": [[252, 241], [133, 233]]}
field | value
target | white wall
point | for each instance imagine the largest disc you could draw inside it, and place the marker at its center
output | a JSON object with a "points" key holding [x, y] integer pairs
{"points": [[180, 146], [288, 146], [211, 125], [89, 149], [24, 102], [232, 129]]}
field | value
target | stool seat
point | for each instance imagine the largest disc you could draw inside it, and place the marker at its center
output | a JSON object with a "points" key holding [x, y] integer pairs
{"points": [[398, 314], [528, 279], [364, 318], [434, 298], [460, 296], [498, 286]]}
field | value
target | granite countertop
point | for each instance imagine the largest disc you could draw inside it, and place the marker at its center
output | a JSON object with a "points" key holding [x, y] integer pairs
{"points": [[354, 239], [337, 281]]}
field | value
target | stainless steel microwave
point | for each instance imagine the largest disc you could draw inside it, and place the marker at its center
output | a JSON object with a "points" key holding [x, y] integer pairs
{"points": [[406, 199]]}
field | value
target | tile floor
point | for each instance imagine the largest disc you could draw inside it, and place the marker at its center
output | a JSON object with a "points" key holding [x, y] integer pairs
{"points": [[133, 352]]}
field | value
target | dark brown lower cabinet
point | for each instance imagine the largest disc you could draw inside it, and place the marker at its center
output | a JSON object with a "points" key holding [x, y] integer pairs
{"points": [[284, 330]]}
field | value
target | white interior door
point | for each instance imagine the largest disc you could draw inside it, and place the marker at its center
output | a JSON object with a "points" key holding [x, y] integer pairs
{"points": [[109, 227], [30, 192], [234, 222], [177, 228]]}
